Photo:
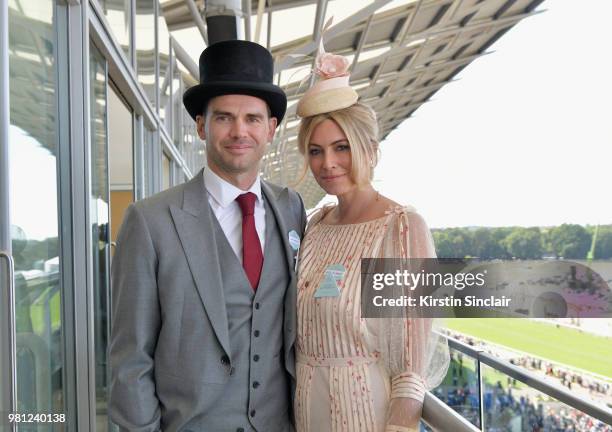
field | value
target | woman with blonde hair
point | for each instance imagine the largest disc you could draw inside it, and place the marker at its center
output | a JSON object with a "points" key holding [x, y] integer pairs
{"points": [[355, 374]]}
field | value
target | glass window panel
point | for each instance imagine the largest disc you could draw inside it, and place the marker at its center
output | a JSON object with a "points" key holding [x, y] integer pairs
{"points": [[111, 192], [118, 15], [459, 390], [121, 158], [164, 69], [99, 217], [33, 190], [145, 46]]}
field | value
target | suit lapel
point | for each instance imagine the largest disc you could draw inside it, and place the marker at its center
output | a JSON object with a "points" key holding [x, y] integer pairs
{"points": [[194, 225], [277, 202]]}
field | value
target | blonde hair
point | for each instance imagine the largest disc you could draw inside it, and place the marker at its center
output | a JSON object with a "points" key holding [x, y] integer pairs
{"points": [[359, 124]]}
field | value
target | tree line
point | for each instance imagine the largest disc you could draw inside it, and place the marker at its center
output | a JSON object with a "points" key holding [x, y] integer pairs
{"points": [[568, 241]]}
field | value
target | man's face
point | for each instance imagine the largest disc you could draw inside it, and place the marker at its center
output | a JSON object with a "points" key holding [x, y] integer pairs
{"points": [[236, 129]]}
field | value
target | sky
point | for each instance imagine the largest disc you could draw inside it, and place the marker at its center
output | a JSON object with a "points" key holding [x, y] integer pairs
{"points": [[523, 137]]}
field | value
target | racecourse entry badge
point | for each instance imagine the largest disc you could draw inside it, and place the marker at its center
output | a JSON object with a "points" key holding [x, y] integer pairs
{"points": [[330, 285]]}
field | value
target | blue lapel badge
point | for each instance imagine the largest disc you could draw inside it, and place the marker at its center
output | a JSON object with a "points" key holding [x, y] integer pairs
{"points": [[294, 240]]}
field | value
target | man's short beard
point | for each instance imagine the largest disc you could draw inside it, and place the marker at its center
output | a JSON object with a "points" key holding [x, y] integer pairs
{"points": [[220, 163]]}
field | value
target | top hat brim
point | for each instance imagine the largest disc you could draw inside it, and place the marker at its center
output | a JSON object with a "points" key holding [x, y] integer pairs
{"points": [[196, 97]]}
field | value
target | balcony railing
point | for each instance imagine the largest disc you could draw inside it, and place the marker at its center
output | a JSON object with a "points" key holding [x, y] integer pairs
{"points": [[440, 417]]}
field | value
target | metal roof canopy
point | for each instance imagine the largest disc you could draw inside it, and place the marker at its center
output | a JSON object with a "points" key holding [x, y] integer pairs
{"points": [[400, 58]]}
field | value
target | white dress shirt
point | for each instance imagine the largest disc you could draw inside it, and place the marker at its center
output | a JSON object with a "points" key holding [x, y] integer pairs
{"points": [[222, 199]]}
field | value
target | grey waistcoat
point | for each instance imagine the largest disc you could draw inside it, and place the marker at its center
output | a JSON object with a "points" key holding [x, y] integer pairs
{"points": [[257, 395]]}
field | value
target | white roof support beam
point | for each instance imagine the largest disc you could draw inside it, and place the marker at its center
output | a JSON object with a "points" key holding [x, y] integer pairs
{"points": [[247, 20], [275, 7], [197, 19], [408, 24], [502, 22], [399, 41], [185, 59], [319, 19], [260, 10], [362, 39], [316, 31], [429, 34], [269, 35], [288, 60]]}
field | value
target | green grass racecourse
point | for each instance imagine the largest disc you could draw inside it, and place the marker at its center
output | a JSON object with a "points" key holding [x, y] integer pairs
{"points": [[559, 344]]}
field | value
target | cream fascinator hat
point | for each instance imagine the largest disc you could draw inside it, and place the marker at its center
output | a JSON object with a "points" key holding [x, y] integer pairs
{"points": [[332, 92]]}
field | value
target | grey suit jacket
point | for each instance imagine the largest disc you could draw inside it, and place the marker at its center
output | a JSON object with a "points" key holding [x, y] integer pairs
{"points": [[162, 375]]}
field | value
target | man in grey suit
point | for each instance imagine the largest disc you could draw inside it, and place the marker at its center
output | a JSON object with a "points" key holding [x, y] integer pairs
{"points": [[203, 281]]}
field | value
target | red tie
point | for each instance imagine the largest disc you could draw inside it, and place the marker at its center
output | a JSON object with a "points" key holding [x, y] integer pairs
{"points": [[252, 258]]}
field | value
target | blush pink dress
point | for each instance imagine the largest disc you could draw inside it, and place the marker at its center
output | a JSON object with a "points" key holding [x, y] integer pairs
{"points": [[342, 384]]}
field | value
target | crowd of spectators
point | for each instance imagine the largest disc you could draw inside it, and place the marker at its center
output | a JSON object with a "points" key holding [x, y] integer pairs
{"points": [[508, 410], [565, 376], [503, 412]]}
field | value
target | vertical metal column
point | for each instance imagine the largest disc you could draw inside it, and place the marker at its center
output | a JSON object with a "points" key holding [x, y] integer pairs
{"points": [[7, 337], [66, 233], [153, 177], [79, 300], [317, 30], [7, 289], [481, 392], [138, 165], [5, 234]]}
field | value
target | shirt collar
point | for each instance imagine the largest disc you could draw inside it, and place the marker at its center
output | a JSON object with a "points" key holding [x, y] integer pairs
{"points": [[223, 192]]}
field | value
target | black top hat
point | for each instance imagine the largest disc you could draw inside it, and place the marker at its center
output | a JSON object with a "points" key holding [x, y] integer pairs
{"points": [[236, 67]]}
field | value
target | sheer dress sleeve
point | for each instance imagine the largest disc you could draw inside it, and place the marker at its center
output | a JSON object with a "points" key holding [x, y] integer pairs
{"points": [[415, 356]]}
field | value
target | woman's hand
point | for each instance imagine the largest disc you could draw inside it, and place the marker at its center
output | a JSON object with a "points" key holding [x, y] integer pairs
{"points": [[404, 415]]}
